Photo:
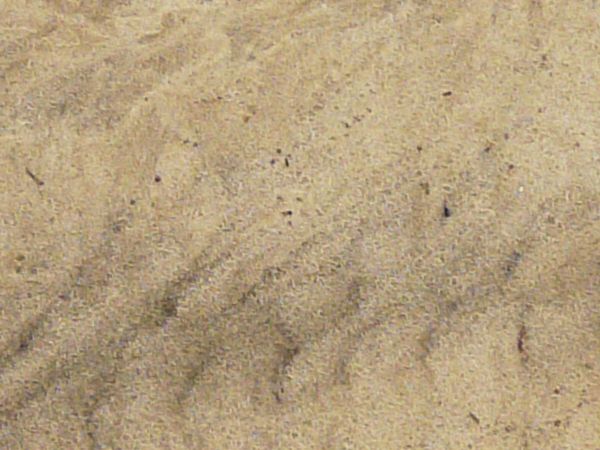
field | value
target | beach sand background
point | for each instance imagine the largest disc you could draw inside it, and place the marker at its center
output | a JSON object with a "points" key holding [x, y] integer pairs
{"points": [[299, 224]]}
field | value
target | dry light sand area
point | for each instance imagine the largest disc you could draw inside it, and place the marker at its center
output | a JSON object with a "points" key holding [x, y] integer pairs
{"points": [[316, 224]]}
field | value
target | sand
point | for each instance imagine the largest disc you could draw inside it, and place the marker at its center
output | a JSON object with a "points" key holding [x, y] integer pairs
{"points": [[262, 224]]}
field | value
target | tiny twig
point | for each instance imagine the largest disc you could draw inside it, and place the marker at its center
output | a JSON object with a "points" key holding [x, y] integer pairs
{"points": [[474, 417], [33, 177]]}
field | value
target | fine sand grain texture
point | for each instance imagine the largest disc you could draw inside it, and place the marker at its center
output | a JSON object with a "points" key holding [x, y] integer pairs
{"points": [[267, 224]]}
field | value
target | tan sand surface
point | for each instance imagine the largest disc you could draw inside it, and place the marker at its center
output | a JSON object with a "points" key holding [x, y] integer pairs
{"points": [[336, 224]]}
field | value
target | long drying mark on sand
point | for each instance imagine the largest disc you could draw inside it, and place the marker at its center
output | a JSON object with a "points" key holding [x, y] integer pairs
{"points": [[155, 314]]}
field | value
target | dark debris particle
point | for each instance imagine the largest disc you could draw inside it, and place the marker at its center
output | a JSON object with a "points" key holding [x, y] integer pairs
{"points": [[447, 94], [447, 211], [279, 151], [195, 145], [557, 423], [474, 417], [487, 149], [287, 213], [132, 202], [506, 136], [287, 162], [273, 162], [521, 339], [34, 177], [25, 342], [512, 263], [157, 178], [419, 148]]}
